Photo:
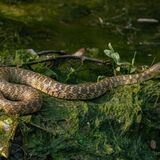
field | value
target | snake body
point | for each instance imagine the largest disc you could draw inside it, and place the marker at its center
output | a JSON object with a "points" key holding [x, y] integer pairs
{"points": [[19, 88]]}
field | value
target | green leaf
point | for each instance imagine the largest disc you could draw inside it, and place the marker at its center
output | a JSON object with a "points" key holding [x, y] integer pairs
{"points": [[116, 57], [72, 71], [112, 54], [100, 78], [133, 59], [133, 69], [108, 53], [110, 47], [118, 69]]}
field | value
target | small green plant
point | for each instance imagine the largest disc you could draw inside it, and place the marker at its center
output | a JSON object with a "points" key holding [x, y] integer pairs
{"points": [[132, 66], [113, 55], [23, 56], [117, 61]]}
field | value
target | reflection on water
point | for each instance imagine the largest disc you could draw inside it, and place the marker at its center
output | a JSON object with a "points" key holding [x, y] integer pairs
{"points": [[51, 24]]}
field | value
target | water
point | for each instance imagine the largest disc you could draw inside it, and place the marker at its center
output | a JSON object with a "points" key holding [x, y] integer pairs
{"points": [[70, 25]]}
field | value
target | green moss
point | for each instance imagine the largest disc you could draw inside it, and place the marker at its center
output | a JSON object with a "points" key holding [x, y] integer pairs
{"points": [[104, 128], [7, 130], [117, 126]]}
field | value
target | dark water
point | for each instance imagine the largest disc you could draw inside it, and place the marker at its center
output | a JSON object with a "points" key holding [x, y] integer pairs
{"points": [[70, 25]]}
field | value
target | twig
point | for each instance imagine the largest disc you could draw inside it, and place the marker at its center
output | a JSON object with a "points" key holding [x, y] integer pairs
{"points": [[64, 57], [61, 52]]}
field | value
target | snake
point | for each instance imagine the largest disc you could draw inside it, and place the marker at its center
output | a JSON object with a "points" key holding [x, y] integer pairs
{"points": [[20, 89]]}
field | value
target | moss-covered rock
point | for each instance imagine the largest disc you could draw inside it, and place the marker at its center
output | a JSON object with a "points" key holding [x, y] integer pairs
{"points": [[107, 127]]}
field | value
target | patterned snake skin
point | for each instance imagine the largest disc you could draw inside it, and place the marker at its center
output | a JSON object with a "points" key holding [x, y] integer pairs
{"points": [[24, 98]]}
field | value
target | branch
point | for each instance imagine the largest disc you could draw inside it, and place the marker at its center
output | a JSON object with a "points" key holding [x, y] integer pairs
{"points": [[63, 56], [51, 51]]}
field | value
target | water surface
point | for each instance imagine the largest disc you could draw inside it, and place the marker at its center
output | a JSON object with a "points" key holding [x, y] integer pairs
{"points": [[70, 25]]}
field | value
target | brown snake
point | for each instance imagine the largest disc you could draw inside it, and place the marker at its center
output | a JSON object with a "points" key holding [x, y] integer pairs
{"points": [[23, 98]]}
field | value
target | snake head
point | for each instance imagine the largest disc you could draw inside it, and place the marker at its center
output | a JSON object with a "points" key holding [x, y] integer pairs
{"points": [[156, 68]]}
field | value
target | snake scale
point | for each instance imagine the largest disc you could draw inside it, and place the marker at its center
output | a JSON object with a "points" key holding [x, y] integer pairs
{"points": [[19, 88]]}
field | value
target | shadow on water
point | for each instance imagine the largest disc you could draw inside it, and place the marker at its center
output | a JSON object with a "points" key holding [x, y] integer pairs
{"points": [[74, 24]]}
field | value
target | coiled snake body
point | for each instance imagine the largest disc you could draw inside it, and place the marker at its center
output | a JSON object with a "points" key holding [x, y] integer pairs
{"points": [[24, 98]]}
